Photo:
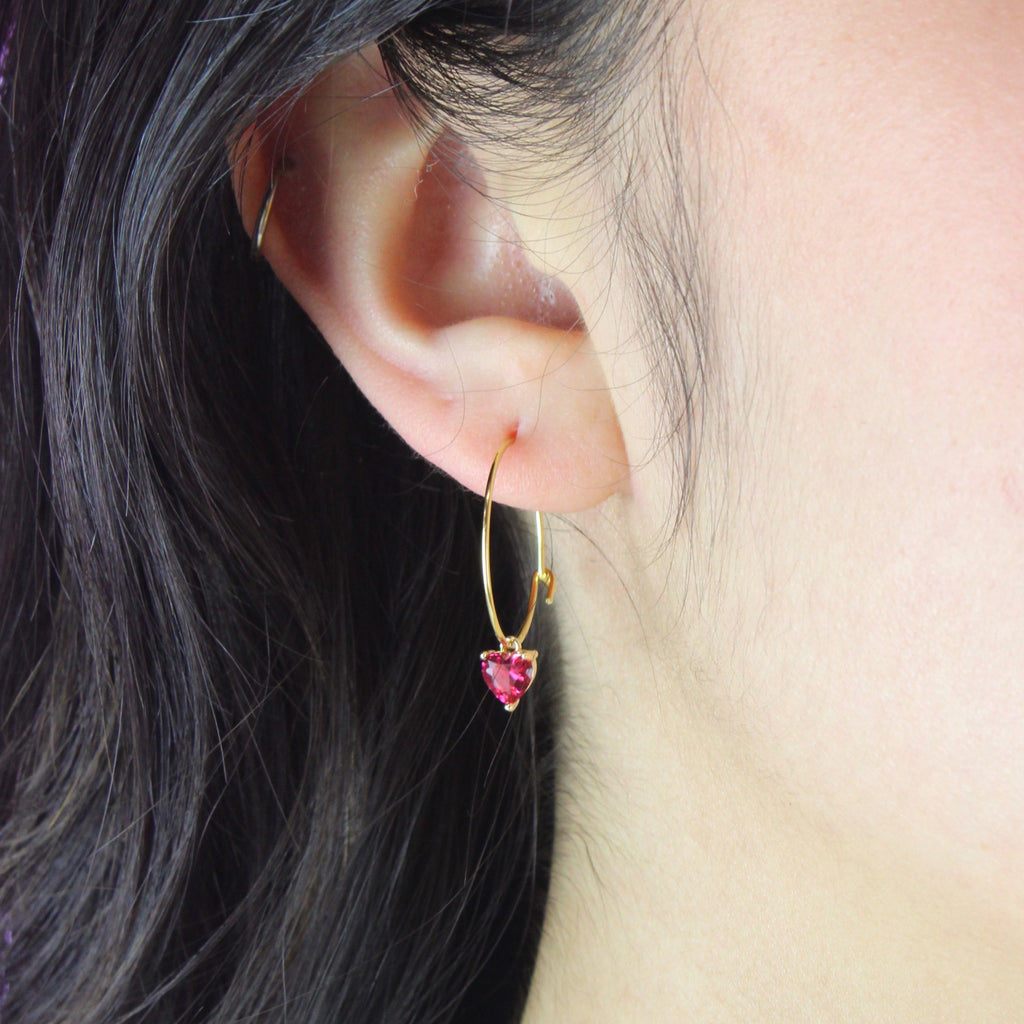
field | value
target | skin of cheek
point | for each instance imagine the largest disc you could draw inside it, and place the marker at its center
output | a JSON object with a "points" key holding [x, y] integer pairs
{"points": [[871, 243]]}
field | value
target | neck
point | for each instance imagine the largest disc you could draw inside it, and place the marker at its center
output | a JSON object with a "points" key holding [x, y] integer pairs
{"points": [[688, 883]]}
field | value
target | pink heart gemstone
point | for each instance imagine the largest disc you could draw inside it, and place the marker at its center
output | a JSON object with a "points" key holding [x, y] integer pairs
{"points": [[508, 674]]}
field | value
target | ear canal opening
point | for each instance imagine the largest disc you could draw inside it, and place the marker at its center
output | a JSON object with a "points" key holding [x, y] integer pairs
{"points": [[463, 256]]}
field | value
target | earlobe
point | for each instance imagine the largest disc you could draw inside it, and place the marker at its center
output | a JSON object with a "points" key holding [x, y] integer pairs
{"points": [[420, 285]]}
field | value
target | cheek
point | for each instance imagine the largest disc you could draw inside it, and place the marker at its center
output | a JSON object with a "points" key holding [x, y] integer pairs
{"points": [[876, 168], [872, 242]]}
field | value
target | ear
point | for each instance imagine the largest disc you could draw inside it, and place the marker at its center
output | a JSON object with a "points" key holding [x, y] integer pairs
{"points": [[420, 285]]}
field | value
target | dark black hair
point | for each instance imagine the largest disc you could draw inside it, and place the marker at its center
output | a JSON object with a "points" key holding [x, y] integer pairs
{"points": [[248, 769]]}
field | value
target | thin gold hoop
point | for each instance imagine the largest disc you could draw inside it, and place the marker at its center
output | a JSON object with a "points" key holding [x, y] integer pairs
{"points": [[262, 219], [542, 574]]}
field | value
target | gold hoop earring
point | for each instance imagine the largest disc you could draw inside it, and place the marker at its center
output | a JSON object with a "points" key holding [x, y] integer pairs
{"points": [[509, 671], [262, 219]]}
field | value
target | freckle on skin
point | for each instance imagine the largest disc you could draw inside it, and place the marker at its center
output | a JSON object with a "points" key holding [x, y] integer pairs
{"points": [[1014, 494]]}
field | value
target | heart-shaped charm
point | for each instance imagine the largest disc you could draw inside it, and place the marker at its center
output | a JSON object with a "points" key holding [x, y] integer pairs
{"points": [[508, 674]]}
